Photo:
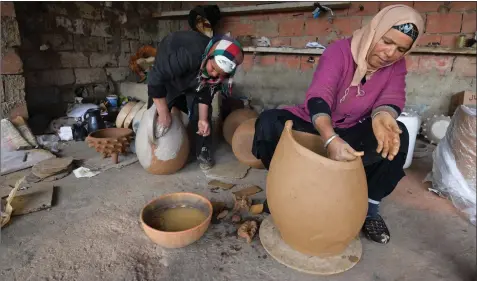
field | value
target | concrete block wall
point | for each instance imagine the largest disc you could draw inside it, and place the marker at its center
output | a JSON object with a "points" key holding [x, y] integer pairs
{"points": [[274, 79], [12, 86], [69, 47]]}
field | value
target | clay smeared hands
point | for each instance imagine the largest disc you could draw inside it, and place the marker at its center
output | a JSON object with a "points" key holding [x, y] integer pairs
{"points": [[386, 131], [203, 128], [164, 121], [339, 150]]}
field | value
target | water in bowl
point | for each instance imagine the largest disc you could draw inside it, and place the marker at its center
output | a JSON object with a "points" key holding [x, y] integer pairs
{"points": [[178, 219]]}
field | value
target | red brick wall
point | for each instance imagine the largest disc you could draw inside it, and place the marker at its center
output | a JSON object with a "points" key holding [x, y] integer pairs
{"points": [[296, 29]]}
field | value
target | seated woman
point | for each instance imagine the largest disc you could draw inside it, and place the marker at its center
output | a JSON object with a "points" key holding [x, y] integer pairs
{"points": [[357, 92]]}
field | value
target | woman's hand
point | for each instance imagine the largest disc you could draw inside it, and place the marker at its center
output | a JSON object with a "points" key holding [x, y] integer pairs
{"points": [[340, 150], [386, 131], [203, 128]]}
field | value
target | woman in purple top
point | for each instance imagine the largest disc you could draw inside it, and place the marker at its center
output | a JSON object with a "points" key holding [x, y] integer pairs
{"points": [[357, 92]]}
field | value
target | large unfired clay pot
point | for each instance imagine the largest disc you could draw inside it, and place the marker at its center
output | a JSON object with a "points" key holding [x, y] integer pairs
{"points": [[318, 205], [234, 120], [242, 142], [166, 154]]}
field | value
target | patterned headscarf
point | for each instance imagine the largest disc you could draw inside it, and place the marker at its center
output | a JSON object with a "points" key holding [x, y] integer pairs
{"points": [[227, 53], [409, 29]]}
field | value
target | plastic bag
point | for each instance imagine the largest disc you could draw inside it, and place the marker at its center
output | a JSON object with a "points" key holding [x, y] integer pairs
{"points": [[454, 162]]}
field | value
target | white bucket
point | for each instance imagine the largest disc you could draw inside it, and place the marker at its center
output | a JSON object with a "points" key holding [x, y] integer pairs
{"points": [[412, 121]]}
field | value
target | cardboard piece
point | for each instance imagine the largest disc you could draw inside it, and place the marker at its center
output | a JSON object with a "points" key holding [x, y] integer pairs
{"points": [[467, 98]]}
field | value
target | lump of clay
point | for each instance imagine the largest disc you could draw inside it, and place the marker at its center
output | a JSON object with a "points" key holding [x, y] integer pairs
{"points": [[234, 120], [242, 142], [166, 154], [330, 198], [247, 230]]}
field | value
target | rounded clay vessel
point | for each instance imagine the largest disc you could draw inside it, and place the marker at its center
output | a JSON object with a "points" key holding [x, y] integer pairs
{"points": [[318, 205], [234, 120], [110, 142], [242, 144], [176, 239], [166, 154]]}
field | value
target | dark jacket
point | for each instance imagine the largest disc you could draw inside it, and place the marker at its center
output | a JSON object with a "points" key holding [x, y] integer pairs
{"points": [[177, 64]]}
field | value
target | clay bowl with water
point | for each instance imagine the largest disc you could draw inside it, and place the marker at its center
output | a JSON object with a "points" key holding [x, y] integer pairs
{"points": [[152, 225]]}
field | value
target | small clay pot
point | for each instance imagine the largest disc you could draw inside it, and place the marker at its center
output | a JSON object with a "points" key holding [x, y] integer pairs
{"points": [[242, 144], [176, 239], [319, 205], [234, 120], [110, 142]]}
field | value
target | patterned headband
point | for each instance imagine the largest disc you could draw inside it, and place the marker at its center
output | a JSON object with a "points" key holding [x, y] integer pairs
{"points": [[409, 29]]}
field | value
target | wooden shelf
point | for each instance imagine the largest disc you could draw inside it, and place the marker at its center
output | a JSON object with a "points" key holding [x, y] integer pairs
{"points": [[310, 51], [260, 8]]}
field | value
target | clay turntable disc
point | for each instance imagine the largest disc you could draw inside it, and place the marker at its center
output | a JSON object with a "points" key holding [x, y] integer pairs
{"points": [[284, 254]]}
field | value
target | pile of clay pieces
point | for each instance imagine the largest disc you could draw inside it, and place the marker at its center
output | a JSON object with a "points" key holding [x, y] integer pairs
{"points": [[243, 208]]}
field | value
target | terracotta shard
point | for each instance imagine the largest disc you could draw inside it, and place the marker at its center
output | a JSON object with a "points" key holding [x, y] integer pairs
{"points": [[222, 214], [256, 209], [248, 191], [304, 186], [222, 185]]}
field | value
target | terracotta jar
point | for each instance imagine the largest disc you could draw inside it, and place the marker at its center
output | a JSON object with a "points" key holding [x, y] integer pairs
{"points": [[234, 120], [242, 144], [318, 205], [166, 154]]}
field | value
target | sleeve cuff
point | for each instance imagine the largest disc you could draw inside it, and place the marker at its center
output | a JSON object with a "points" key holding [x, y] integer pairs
{"points": [[156, 91], [313, 118], [318, 106], [389, 108]]}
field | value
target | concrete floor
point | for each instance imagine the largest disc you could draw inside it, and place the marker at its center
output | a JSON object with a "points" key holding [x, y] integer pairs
{"points": [[93, 233]]}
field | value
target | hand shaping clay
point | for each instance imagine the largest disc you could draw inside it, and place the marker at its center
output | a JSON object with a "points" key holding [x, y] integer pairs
{"points": [[318, 205], [166, 154], [234, 120]]}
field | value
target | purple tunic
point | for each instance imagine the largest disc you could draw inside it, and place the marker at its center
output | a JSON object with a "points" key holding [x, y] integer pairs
{"points": [[333, 76]]}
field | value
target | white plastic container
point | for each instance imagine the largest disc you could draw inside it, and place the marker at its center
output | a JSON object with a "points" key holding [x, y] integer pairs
{"points": [[412, 121]]}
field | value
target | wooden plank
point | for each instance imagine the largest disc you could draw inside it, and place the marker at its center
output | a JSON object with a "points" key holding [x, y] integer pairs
{"points": [[260, 8], [310, 51]]}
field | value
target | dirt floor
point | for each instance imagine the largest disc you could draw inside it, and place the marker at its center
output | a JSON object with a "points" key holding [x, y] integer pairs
{"points": [[93, 233]]}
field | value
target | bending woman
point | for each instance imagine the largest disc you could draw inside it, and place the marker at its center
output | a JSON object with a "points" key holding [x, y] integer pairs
{"points": [[357, 92]]}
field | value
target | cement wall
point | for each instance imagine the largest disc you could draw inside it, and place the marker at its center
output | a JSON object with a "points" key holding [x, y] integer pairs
{"points": [[89, 44], [274, 79], [12, 86], [83, 48]]}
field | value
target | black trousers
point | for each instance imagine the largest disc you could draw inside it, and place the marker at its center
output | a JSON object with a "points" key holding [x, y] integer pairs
{"points": [[382, 175], [188, 103]]}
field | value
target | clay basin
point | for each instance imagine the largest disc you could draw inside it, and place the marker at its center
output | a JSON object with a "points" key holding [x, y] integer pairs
{"points": [[110, 142], [176, 239], [242, 144]]}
